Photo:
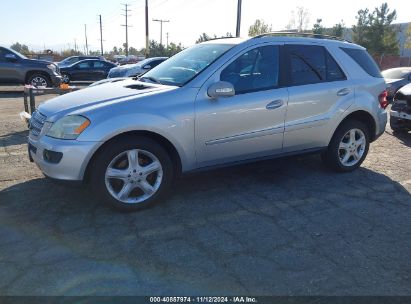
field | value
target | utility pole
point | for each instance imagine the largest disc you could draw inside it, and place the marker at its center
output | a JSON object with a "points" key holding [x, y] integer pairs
{"points": [[85, 33], [75, 44], [161, 28], [101, 37], [167, 39], [126, 10], [237, 33], [147, 38]]}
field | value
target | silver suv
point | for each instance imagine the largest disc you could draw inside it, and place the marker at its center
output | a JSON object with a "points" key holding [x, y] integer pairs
{"points": [[216, 103]]}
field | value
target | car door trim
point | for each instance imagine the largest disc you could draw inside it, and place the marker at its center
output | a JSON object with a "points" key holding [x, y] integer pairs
{"points": [[306, 124], [248, 135]]}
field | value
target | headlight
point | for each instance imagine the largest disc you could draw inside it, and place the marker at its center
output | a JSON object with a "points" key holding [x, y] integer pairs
{"points": [[52, 67], [68, 127]]}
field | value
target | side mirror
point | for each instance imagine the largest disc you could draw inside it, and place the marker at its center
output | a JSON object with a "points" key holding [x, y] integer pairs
{"points": [[147, 67], [11, 57], [221, 89]]}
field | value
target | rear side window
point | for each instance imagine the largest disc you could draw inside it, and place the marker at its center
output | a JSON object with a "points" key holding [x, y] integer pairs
{"points": [[364, 60], [311, 64]]}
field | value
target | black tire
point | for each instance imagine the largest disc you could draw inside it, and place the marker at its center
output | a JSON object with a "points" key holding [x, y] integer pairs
{"points": [[332, 156], [44, 79], [116, 147], [66, 78]]}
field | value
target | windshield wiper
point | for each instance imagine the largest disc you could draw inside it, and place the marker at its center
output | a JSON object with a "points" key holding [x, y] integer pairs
{"points": [[152, 79]]}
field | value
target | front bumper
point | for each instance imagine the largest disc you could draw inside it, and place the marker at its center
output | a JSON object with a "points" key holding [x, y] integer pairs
{"points": [[74, 160], [56, 80]]}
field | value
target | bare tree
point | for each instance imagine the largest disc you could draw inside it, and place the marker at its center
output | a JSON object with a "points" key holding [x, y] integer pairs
{"points": [[303, 17], [298, 20]]}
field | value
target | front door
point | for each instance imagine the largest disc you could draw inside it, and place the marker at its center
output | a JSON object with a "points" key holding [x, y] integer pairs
{"points": [[249, 124]]}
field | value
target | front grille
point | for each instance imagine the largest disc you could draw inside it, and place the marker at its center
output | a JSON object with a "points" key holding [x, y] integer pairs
{"points": [[36, 123]]}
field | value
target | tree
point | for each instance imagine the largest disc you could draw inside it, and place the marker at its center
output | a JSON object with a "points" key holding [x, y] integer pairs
{"points": [[21, 48], [318, 28], [259, 27], [338, 30], [407, 41], [302, 18], [375, 31], [203, 37], [360, 30]]}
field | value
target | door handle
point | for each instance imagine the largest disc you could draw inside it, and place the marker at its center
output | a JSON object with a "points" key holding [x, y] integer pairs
{"points": [[275, 104], [343, 92]]}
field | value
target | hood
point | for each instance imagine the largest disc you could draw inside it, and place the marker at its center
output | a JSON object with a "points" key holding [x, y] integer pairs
{"points": [[389, 81], [404, 93], [36, 61], [108, 93]]}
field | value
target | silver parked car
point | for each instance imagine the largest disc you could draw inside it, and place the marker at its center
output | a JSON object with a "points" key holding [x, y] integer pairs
{"points": [[216, 103], [136, 69]]}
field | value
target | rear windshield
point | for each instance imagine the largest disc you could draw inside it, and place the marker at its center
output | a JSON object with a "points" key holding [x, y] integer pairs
{"points": [[364, 60]]}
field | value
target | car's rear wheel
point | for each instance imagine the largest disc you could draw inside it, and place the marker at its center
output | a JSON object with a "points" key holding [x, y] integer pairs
{"points": [[66, 78], [348, 147], [132, 173], [39, 80]]}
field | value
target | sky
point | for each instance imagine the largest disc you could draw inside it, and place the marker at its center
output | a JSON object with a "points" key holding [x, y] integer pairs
{"points": [[59, 25]]}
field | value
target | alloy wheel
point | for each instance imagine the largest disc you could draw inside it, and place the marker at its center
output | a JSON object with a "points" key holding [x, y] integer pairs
{"points": [[134, 176], [352, 147], [39, 82]]}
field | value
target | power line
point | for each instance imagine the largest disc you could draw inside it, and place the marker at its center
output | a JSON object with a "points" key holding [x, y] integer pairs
{"points": [[85, 34], [238, 28], [126, 10], [101, 36], [161, 28]]}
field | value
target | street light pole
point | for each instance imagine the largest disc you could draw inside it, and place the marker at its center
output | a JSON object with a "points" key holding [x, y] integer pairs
{"points": [[237, 33], [161, 28]]}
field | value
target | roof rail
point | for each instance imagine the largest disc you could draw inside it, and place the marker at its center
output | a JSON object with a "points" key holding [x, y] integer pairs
{"points": [[298, 34]]}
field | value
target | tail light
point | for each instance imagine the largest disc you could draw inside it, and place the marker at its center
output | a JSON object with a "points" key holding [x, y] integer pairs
{"points": [[382, 98]]}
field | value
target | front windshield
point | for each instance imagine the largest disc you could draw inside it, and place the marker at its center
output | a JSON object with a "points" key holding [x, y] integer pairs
{"points": [[396, 74], [181, 68], [70, 60]]}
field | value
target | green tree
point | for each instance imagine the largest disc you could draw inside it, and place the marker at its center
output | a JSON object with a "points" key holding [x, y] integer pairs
{"points": [[407, 42], [375, 31], [203, 37], [360, 30], [259, 27], [21, 48], [338, 30], [318, 28]]}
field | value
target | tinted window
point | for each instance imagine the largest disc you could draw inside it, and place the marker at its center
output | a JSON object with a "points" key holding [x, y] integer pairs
{"points": [[155, 63], [364, 60], [334, 72], [254, 70], [98, 64], [312, 64], [84, 65]]}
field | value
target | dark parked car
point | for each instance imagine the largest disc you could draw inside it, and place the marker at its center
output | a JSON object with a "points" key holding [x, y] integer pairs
{"points": [[400, 114], [133, 70], [16, 68], [73, 59], [86, 70], [396, 78]]}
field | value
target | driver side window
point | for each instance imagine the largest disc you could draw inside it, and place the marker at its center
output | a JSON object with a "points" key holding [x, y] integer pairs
{"points": [[255, 70]]}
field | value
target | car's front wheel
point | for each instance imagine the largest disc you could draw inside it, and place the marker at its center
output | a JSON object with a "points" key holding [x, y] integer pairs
{"points": [[348, 147], [39, 80], [132, 173]]}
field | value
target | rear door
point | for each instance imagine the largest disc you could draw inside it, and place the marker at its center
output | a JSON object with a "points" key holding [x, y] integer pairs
{"points": [[318, 91], [83, 70], [9, 68]]}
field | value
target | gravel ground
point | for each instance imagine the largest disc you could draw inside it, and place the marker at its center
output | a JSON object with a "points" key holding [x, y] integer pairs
{"points": [[281, 227]]}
